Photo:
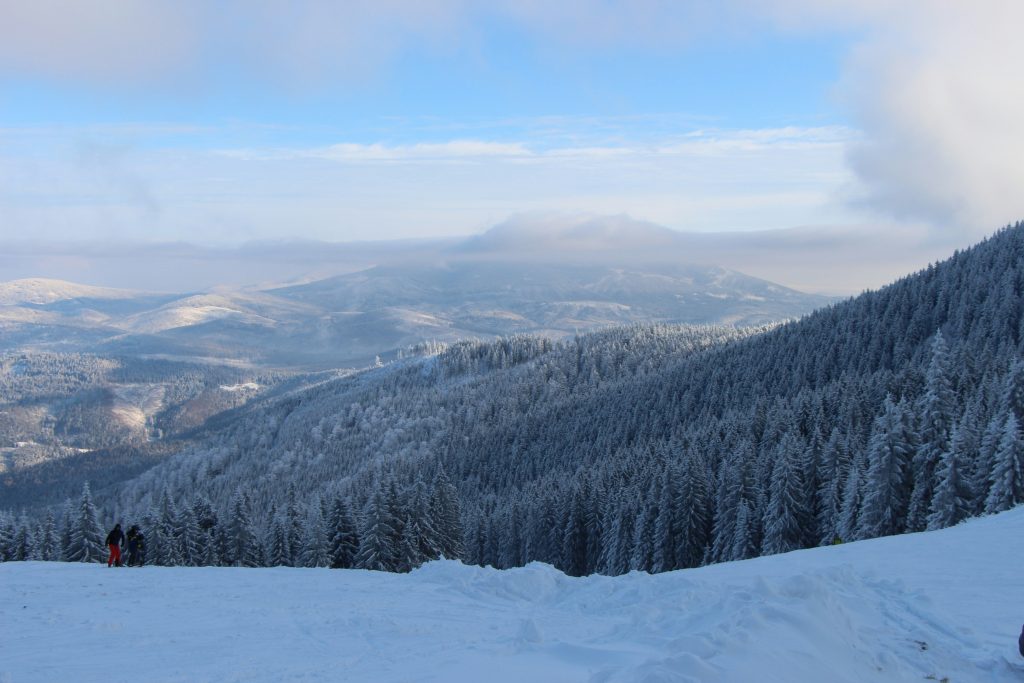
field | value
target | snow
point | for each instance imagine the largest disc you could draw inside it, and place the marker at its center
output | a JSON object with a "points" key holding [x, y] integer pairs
{"points": [[246, 386], [930, 606]]}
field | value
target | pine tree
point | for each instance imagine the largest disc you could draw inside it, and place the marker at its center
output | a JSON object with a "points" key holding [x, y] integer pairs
{"points": [[7, 532], [377, 540], [937, 407], [278, 546], [245, 548], [886, 483], [744, 544], [316, 551], [446, 517], [951, 502], [186, 536], [86, 543], [692, 523], [48, 541], [1007, 485], [782, 531], [344, 536]]}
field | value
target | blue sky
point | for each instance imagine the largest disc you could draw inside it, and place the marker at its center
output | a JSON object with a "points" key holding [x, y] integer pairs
{"points": [[151, 120]]}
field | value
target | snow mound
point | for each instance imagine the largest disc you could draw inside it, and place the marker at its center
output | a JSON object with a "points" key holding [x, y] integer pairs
{"points": [[931, 606]]}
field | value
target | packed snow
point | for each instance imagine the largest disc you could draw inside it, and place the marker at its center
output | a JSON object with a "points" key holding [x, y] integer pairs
{"points": [[943, 605]]}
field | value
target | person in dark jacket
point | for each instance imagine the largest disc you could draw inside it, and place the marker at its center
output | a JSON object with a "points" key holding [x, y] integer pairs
{"points": [[132, 537], [114, 541], [1020, 642]]}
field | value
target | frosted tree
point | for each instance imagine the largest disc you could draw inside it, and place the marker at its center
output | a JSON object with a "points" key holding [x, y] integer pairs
{"points": [[832, 475], [952, 500], [744, 545], [48, 542], [782, 531], [981, 482], [344, 539], [187, 537], [87, 537], [377, 540], [279, 548], [937, 408], [316, 551], [1007, 481], [728, 494], [24, 541], [7, 532], [691, 512], [887, 481], [245, 547], [847, 527], [446, 517]]}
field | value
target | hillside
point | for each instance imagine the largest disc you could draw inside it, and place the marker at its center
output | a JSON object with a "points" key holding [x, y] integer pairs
{"points": [[941, 605]]}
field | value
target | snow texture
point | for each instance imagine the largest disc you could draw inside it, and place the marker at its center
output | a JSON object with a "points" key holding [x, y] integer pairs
{"points": [[928, 606]]}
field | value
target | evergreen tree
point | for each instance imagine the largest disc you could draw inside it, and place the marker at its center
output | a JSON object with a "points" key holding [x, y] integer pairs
{"points": [[886, 485], [187, 537], [782, 531], [48, 541], [1007, 484], [344, 536], [7, 533], [937, 408], [377, 540], [245, 548], [952, 499], [316, 551], [446, 517], [278, 546], [86, 544]]}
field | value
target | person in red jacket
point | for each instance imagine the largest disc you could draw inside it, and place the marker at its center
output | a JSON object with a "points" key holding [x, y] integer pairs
{"points": [[114, 540]]}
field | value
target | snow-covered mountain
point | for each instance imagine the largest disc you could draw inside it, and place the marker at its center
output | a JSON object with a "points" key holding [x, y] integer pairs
{"points": [[935, 606], [41, 291], [505, 282]]}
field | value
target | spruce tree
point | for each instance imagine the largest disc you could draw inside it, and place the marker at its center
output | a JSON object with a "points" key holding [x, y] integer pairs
{"points": [[937, 408], [86, 543], [377, 540], [886, 484], [782, 531], [344, 537], [1007, 484]]}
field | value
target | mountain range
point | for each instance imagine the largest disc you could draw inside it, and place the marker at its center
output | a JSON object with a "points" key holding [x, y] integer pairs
{"points": [[507, 281]]}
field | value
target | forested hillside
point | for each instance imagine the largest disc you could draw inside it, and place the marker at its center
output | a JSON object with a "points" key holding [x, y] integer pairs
{"points": [[649, 448]]}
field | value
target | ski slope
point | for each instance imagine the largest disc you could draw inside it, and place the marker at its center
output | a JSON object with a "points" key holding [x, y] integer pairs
{"points": [[931, 606]]}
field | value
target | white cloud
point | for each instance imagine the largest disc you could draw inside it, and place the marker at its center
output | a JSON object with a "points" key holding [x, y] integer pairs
{"points": [[933, 85]]}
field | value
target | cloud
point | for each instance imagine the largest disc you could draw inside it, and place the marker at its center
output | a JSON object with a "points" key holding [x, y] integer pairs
{"points": [[935, 87], [932, 85]]}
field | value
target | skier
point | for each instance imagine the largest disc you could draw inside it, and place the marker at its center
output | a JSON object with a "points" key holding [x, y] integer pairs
{"points": [[133, 545], [114, 540], [142, 548], [1020, 642]]}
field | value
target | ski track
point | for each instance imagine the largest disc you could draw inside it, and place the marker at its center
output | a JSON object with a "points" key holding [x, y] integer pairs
{"points": [[930, 606]]}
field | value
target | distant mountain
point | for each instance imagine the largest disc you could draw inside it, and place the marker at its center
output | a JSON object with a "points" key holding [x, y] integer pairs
{"points": [[517, 278], [41, 291]]}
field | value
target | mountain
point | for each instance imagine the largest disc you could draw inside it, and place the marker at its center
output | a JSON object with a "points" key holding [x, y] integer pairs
{"points": [[41, 291], [586, 279], [649, 448]]}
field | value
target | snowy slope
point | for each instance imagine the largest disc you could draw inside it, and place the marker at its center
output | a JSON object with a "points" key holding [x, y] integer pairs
{"points": [[932, 606]]}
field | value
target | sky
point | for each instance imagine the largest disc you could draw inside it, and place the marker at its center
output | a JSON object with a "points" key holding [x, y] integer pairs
{"points": [[223, 123]]}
